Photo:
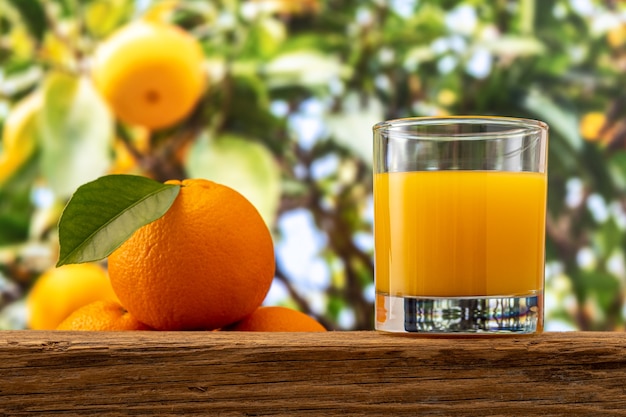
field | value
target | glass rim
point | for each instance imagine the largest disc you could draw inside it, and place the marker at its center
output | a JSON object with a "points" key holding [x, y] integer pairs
{"points": [[518, 126]]}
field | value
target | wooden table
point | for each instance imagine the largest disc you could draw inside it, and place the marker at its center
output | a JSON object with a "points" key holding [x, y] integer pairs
{"points": [[316, 374]]}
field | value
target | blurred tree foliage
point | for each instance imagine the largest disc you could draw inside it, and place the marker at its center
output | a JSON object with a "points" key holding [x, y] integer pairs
{"points": [[294, 89]]}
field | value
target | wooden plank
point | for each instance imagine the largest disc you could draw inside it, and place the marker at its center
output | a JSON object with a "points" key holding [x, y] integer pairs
{"points": [[335, 373]]}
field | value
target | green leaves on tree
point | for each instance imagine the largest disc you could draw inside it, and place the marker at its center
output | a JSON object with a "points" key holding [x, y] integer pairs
{"points": [[34, 16], [242, 164], [76, 133]]}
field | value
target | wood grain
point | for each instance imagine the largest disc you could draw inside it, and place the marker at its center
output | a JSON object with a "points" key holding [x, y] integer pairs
{"points": [[317, 374]]}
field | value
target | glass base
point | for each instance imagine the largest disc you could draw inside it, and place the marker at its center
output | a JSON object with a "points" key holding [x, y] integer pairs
{"points": [[460, 315]]}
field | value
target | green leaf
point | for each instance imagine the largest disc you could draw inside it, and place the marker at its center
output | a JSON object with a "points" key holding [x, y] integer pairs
{"points": [[607, 238], [264, 38], [102, 214], [304, 68], [103, 16], [76, 132], [241, 164], [15, 213], [527, 16], [559, 119], [352, 125], [417, 55], [599, 170], [603, 286], [617, 169], [33, 14], [514, 46]]}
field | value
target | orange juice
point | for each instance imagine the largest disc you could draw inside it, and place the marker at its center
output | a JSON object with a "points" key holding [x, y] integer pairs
{"points": [[459, 233]]}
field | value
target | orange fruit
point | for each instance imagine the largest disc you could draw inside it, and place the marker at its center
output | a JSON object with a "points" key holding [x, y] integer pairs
{"points": [[208, 262], [150, 73], [591, 125], [616, 37], [60, 291], [277, 319], [102, 315]]}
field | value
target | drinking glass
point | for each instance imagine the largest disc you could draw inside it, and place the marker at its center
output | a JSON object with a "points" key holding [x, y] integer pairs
{"points": [[459, 225]]}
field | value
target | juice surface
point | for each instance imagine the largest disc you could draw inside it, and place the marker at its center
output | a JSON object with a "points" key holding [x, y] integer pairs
{"points": [[459, 233]]}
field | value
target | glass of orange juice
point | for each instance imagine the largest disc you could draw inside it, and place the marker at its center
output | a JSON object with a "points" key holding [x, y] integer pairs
{"points": [[459, 225]]}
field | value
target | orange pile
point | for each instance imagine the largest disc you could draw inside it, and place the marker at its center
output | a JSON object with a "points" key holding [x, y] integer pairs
{"points": [[207, 264]]}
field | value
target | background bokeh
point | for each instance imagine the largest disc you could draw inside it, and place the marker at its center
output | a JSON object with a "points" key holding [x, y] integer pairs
{"points": [[294, 88]]}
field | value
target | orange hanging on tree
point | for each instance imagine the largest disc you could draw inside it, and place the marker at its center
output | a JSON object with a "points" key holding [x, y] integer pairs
{"points": [[150, 73]]}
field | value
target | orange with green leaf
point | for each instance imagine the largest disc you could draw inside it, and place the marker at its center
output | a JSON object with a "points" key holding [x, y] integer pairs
{"points": [[190, 255], [208, 262]]}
